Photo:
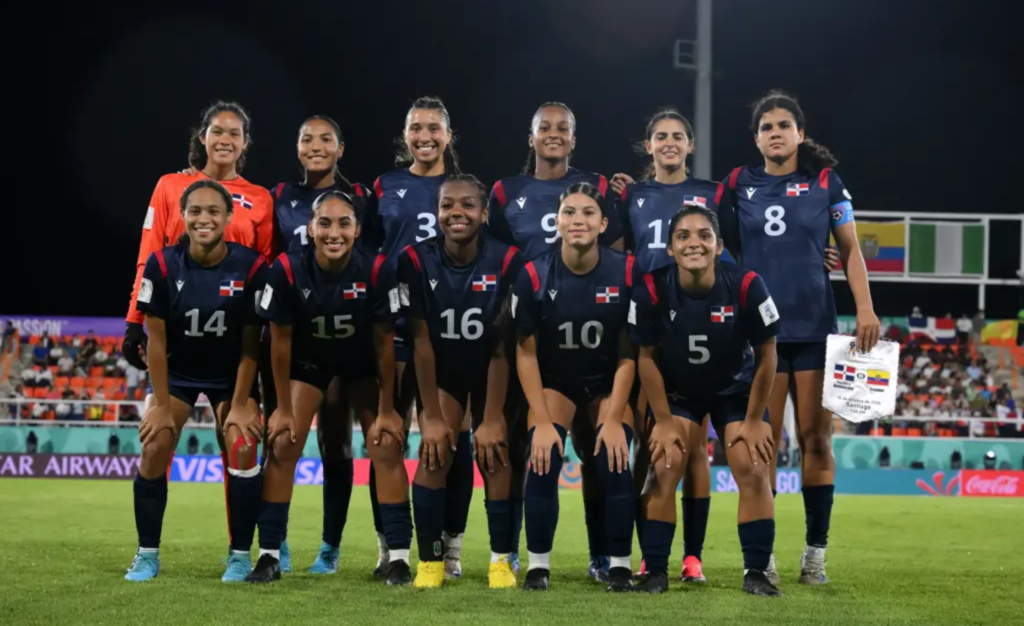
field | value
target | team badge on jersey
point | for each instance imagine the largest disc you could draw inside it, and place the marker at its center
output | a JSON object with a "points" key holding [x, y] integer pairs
{"points": [[798, 189], [229, 288], [845, 372], [355, 291], [487, 282], [607, 295], [241, 200], [721, 314], [698, 200]]}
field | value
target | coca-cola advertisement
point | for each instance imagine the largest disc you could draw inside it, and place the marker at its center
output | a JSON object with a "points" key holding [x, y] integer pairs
{"points": [[992, 483]]}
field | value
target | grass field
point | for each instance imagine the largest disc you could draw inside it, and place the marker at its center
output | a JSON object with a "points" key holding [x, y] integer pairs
{"points": [[65, 544]]}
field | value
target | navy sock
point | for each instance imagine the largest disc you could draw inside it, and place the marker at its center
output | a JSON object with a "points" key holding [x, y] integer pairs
{"points": [[656, 545], [396, 520], [150, 502], [517, 521], [378, 524], [460, 486], [244, 504], [542, 502], [818, 513], [757, 540], [695, 525], [337, 495], [619, 506], [499, 525], [593, 508], [273, 522], [428, 506]]}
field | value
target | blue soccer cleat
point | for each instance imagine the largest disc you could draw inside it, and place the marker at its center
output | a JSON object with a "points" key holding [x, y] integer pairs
{"points": [[513, 560], [599, 567], [326, 560], [239, 566], [145, 566], [285, 559]]}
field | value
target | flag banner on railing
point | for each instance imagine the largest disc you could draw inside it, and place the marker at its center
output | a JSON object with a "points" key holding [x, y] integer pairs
{"points": [[882, 244], [937, 329], [947, 248]]}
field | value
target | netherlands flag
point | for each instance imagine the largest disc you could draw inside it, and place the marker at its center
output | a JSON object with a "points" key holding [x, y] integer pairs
{"points": [[607, 295], [845, 372], [798, 189], [698, 200], [241, 200], [355, 291], [230, 288], [487, 282], [721, 314]]}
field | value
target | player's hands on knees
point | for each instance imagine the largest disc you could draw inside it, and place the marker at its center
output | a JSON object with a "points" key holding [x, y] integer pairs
{"points": [[757, 434], [280, 423], [619, 182], [389, 422], [134, 346], [437, 442], [666, 443], [247, 421], [613, 437], [157, 418], [545, 439], [831, 258], [490, 444], [869, 330]]}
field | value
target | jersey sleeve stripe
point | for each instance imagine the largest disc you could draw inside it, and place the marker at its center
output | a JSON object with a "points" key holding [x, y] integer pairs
{"points": [[378, 189], [287, 265], [359, 190], [747, 279], [602, 185], [823, 178], [719, 193], [534, 278], [255, 267], [162, 262], [499, 193], [630, 259], [508, 259], [649, 281], [415, 258], [278, 190], [734, 177], [624, 195], [377, 263]]}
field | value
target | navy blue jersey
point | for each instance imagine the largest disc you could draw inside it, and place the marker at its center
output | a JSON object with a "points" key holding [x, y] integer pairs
{"points": [[204, 309], [459, 303], [704, 342], [577, 319], [522, 210], [293, 208], [648, 206], [331, 315], [405, 211], [779, 227]]}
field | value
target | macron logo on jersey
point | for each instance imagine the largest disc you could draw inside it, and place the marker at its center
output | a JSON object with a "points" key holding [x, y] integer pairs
{"points": [[355, 291], [698, 200], [750, 192], [721, 314], [845, 372], [401, 193], [607, 295], [521, 201], [487, 282], [798, 189], [241, 200], [640, 202], [229, 288], [294, 202]]}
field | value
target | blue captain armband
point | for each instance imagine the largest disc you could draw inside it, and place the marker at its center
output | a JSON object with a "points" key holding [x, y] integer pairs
{"points": [[842, 213]]}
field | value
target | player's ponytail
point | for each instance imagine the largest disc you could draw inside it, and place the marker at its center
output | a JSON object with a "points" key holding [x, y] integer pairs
{"points": [[197, 151], [811, 156], [404, 158], [640, 147], [531, 157]]}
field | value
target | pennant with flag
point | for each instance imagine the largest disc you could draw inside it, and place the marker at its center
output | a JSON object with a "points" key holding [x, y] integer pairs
{"points": [[845, 372]]}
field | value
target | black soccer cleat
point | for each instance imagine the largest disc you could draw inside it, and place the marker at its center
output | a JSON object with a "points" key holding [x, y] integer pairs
{"points": [[399, 574], [652, 582], [757, 583], [267, 570], [620, 579], [537, 580]]}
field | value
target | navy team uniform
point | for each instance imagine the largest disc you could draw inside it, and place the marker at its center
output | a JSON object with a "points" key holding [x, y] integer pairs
{"points": [[779, 227], [522, 210], [293, 208]]}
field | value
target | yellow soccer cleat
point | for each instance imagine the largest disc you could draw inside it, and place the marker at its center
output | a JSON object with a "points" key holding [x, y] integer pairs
{"points": [[500, 574], [429, 574]]}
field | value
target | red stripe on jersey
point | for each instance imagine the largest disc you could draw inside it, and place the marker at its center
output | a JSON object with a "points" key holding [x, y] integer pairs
{"points": [[630, 259], [734, 177], [508, 258], [163, 263], [532, 271], [414, 257], [602, 185], [499, 193], [719, 193], [823, 178], [287, 265], [255, 266], [278, 190], [376, 269], [359, 190], [649, 281], [378, 189], [624, 194], [747, 279]]}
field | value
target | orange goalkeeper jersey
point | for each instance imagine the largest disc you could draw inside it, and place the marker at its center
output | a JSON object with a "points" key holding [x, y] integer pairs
{"points": [[251, 225]]}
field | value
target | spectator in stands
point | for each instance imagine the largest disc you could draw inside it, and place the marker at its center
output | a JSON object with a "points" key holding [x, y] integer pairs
{"points": [[41, 351], [66, 365], [99, 359], [63, 410], [28, 377], [978, 325], [44, 378], [89, 348], [128, 413], [963, 329], [31, 443], [135, 379], [915, 313], [973, 370]]}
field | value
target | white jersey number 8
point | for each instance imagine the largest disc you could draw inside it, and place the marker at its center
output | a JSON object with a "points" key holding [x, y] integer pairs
{"points": [[774, 226]]}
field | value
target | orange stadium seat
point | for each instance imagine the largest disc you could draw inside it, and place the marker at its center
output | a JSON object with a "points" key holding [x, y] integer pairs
{"points": [[33, 340], [94, 381], [77, 381], [96, 372], [877, 432], [111, 383], [61, 382], [914, 432], [53, 369], [899, 432]]}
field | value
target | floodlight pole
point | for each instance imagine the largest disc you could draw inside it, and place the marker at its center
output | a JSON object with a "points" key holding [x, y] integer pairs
{"points": [[695, 56]]}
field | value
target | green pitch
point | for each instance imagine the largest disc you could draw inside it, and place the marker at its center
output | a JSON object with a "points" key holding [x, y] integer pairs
{"points": [[65, 544]]}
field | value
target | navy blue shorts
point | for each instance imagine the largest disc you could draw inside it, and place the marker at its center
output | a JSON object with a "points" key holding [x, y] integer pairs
{"points": [[723, 410], [319, 376], [580, 392], [216, 395], [800, 356]]}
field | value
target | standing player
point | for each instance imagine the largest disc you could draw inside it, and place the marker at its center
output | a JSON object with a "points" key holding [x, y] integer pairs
{"points": [[331, 314], [784, 212], [456, 285], [573, 355], [320, 147], [713, 327], [217, 151], [523, 212], [199, 300]]}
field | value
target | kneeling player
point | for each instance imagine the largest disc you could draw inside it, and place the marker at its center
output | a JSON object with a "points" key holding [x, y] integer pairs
{"points": [[199, 298], [713, 326], [456, 284], [331, 314], [570, 306]]}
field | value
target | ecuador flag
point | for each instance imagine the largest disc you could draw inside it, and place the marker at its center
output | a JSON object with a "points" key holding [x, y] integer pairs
{"points": [[883, 246]]}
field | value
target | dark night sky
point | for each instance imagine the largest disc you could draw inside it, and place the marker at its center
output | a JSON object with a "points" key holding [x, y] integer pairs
{"points": [[919, 99]]}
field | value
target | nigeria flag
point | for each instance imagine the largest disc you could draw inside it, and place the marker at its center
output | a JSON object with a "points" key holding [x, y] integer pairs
{"points": [[947, 248]]}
